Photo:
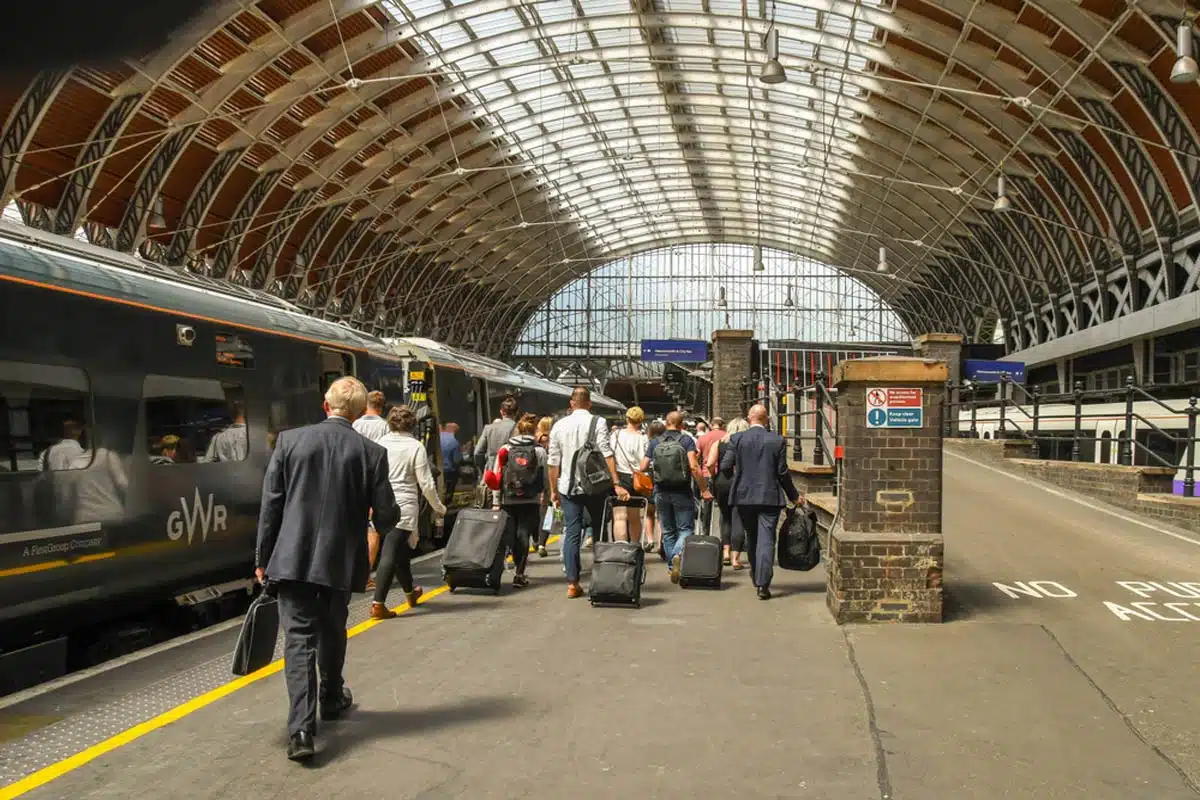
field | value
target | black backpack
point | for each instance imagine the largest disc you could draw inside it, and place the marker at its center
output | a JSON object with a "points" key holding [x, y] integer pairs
{"points": [[589, 468], [670, 463], [522, 477]]}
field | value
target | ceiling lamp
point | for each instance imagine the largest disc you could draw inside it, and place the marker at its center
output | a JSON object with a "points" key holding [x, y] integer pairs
{"points": [[721, 297], [882, 266], [1002, 202], [1185, 70], [758, 261], [772, 71], [159, 222], [789, 303]]}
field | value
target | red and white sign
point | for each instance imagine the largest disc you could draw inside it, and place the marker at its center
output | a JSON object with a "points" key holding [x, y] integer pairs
{"points": [[903, 398], [877, 398]]}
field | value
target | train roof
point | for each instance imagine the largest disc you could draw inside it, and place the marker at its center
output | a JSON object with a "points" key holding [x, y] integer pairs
{"points": [[489, 369], [58, 262]]}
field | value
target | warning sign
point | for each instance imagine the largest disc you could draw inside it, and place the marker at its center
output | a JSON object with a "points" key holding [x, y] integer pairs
{"points": [[895, 408]]}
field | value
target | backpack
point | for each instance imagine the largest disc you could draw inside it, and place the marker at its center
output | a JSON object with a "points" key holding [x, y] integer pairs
{"points": [[522, 478], [670, 464], [589, 469]]}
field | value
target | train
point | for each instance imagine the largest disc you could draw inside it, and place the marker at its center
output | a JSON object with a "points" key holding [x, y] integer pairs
{"points": [[1102, 429], [118, 376]]}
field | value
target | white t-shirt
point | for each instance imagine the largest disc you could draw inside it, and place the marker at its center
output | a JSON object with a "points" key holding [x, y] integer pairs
{"points": [[628, 450], [567, 436]]}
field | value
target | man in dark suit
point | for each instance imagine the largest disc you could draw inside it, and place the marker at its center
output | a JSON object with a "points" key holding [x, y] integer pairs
{"points": [[761, 487], [321, 485]]}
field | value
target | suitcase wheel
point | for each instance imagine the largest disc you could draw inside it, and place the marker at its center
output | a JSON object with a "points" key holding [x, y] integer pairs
{"points": [[452, 588]]}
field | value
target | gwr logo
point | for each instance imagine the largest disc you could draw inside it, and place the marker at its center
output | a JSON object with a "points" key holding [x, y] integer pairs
{"points": [[210, 517]]}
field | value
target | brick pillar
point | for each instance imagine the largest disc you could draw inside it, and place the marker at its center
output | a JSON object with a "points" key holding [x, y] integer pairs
{"points": [[730, 370], [944, 347], [885, 552]]}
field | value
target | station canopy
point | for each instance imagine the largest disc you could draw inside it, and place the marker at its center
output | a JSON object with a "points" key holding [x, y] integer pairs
{"points": [[443, 167]]}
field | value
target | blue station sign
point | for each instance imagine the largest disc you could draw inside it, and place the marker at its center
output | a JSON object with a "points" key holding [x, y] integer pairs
{"points": [[982, 371], [682, 350]]}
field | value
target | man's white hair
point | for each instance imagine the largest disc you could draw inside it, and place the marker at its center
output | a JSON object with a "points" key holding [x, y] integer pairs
{"points": [[347, 397]]}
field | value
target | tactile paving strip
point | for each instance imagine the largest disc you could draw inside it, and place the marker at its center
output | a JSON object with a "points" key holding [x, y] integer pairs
{"points": [[76, 733]]}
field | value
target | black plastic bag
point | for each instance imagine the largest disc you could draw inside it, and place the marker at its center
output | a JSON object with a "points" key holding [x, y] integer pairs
{"points": [[799, 543]]}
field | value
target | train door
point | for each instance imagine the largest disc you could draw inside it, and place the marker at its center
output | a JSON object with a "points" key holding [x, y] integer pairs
{"points": [[334, 364], [1108, 449]]}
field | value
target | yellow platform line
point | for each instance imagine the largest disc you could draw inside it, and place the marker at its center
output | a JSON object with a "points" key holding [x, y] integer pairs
{"points": [[57, 770]]}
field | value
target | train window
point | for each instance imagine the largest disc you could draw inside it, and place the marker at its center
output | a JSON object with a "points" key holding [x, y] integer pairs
{"points": [[234, 351], [334, 364], [44, 416], [194, 420]]}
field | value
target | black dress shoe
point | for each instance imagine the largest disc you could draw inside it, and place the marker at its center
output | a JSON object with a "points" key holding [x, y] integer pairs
{"points": [[333, 707], [764, 593], [301, 747]]}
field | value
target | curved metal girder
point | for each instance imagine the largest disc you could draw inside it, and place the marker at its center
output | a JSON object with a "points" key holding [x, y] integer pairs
{"points": [[199, 204], [247, 211], [22, 121], [132, 230]]}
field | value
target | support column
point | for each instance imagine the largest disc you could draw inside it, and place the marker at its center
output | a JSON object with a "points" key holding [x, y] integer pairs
{"points": [[944, 347], [885, 550], [731, 360]]}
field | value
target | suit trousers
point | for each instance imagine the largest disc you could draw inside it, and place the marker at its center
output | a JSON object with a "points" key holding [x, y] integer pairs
{"points": [[758, 525], [313, 619]]}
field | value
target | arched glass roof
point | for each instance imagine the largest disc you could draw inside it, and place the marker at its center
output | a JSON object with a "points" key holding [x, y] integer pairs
{"points": [[442, 167], [687, 292]]}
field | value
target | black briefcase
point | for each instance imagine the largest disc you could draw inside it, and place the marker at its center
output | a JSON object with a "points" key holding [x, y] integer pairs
{"points": [[256, 643]]}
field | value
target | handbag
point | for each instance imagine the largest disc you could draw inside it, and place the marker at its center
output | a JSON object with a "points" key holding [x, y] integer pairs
{"points": [[255, 646], [643, 484]]}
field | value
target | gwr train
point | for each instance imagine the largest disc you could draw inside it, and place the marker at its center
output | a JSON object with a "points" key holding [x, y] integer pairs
{"points": [[116, 376]]}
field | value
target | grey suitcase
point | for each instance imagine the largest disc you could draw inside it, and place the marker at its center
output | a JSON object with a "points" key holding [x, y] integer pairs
{"points": [[702, 562], [618, 568], [474, 556]]}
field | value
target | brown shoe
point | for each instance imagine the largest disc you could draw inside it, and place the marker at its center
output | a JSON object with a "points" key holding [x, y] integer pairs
{"points": [[381, 611], [414, 596], [574, 590]]}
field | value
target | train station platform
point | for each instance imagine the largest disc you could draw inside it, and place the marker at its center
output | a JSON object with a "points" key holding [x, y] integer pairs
{"points": [[1065, 668]]}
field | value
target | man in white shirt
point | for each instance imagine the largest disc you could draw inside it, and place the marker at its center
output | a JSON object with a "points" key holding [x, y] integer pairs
{"points": [[230, 444], [567, 437], [372, 424]]}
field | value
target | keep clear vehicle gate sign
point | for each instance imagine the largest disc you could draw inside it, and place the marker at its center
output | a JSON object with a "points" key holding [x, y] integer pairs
{"points": [[895, 408]]}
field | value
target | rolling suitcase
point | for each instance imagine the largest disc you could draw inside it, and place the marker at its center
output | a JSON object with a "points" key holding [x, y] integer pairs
{"points": [[702, 562], [255, 646], [474, 556], [618, 568]]}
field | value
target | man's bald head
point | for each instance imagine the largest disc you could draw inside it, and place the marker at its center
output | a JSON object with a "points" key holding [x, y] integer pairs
{"points": [[674, 420], [757, 415]]}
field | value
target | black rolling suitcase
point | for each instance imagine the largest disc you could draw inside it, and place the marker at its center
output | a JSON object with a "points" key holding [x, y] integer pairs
{"points": [[618, 568], [474, 556], [255, 646], [701, 563]]}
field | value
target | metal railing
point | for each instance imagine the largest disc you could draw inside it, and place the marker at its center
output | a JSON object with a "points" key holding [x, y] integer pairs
{"points": [[821, 431], [1011, 414]]}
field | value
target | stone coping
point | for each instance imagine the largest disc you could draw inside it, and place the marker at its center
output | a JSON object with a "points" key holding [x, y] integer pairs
{"points": [[891, 369], [1171, 500], [733, 333], [845, 537], [805, 468], [1088, 466], [940, 338], [826, 502]]}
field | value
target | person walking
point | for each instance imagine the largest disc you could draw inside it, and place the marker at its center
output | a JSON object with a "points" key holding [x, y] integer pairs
{"points": [[410, 476], [321, 484], [519, 480], [732, 536], [542, 437], [452, 459], [653, 536], [629, 447], [671, 459], [573, 438], [761, 487], [705, 439], [373, 426]]}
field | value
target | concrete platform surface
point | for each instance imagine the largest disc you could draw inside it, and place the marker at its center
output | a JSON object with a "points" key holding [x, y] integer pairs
{"points": [[1035, 687]]}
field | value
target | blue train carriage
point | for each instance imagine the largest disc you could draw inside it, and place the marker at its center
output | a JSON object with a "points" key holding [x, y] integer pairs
{"points": [[138, 408]]}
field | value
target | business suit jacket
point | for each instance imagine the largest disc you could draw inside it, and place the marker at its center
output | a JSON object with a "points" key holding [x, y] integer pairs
{"points": [[322, 481], [758, 458]]}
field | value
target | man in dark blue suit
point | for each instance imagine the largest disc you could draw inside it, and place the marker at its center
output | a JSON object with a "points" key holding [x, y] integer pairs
{"points": [[761, 487], [321, 485]]}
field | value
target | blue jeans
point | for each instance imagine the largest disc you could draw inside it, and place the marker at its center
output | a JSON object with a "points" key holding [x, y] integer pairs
{"points": [[573, 508], [676, 518]]}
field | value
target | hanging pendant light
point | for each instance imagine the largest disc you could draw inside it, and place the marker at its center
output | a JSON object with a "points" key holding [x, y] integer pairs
{"points": [[1185, 70], [157, 220], [758, 259], [772, 71], [1002, 202], [721, 298], [789, 303], [882, 266]]}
